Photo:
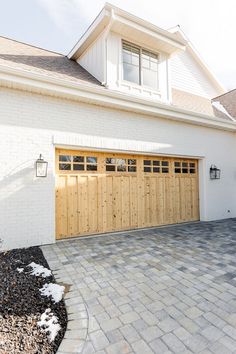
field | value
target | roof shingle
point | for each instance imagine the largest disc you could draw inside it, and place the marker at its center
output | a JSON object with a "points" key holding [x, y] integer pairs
{"points": [[19, 55]]}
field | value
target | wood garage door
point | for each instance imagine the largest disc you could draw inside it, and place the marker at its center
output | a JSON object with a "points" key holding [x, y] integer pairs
{"points": [[102, 192]]}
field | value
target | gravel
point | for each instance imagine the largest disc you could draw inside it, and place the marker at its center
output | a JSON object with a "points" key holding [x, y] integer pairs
{"points": [[22, 305]]}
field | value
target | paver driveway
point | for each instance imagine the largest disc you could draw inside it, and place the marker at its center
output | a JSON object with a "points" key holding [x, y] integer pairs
{"points": [[162, 290]]}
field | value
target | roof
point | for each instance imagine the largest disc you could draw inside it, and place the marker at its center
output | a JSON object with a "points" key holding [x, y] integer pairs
{"points": [[225, 105], [33, 59], [120, 21]]}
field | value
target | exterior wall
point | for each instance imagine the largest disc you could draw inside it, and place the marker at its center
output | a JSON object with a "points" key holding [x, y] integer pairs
{"points": [[31, 124], [93, 60], [187, 75], [115, 74]]}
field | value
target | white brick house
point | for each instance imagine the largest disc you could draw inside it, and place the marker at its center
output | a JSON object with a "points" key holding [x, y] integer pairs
{"points": [[128, 88]]}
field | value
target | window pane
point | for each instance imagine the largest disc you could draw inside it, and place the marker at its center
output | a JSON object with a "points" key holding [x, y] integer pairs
{"points": [[184, 164], [64, 158], [91, 167], [177, 164], [150, 78], [165, 170], [78, 158], [192, 170], [64, 166], [131, 168], [131, 162], [91, 159], [156, 169], [147, 162], [165, 163], [156, 163], [110, 168], [121, 168], [127, 58], [192, 164], [184, 170], [177, 170], [77, 167], [147, 169], [131, 73], [110, 161]]}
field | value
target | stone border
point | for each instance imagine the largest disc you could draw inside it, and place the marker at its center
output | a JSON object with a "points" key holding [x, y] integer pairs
{"points": [[78, 320]]}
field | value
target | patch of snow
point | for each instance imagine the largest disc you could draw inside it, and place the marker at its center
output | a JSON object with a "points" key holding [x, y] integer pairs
{"points": [[221, 108], [20, 270], [49, 324], [39, 270], [54, 290]]}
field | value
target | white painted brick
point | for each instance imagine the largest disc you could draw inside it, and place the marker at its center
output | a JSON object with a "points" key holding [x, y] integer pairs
{"points": [[30, 124]]}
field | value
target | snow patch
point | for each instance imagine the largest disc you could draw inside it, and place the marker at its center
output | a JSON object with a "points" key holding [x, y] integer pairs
{"points": [[54, 290], [20, 270], [221, 108], [39, 270], [49, 324]]}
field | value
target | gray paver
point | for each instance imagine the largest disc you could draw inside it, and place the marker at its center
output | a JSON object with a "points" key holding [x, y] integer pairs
{"points": [[159, 290]]}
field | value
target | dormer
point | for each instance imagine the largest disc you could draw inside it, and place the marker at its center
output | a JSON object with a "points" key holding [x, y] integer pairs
{"points": [[128, 54]]}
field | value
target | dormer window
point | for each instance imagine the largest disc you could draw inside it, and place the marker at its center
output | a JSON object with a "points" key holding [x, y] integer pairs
{"points": [[140, 66]]}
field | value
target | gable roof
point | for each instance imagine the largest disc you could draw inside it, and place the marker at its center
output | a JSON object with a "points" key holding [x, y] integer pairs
{"points": [[115, 19], [225, 105], [195, 54], [23, 56]]}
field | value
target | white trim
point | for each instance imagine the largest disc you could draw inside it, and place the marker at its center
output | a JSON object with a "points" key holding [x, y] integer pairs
{"points": [[124, 18], [43, 84]]}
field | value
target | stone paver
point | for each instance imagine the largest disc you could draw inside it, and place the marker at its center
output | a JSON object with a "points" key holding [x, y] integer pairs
{"points": [[161, 290]]}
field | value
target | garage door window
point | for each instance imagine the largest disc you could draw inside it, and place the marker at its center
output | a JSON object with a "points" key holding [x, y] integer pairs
{"points": [[120, 165], [77, 163], [156, 166], [185, 167]]}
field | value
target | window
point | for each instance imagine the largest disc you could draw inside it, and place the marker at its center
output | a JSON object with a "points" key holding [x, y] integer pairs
{"points": [[77, 163], [120, 165], [140, 66], [156, 166], [185, 167]]}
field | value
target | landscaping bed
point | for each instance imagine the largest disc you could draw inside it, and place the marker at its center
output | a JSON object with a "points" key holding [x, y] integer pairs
{"points": [[33, 316]]}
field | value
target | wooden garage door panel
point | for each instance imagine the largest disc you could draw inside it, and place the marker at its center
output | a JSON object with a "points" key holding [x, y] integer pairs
{"points": [[92, 200]]}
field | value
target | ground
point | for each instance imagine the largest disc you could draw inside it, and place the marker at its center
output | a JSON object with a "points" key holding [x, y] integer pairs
{"points": [[22, 327], [161, 290]]}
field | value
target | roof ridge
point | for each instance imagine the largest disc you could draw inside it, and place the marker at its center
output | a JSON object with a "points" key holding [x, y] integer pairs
{"points": [[32, 45]]}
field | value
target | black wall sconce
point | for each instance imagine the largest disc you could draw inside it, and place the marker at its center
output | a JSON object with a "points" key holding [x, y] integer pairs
{"points": [[214, 172], [41, 167]]}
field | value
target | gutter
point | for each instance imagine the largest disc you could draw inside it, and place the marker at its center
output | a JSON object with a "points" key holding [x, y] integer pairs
{"points": [[78, 91]]}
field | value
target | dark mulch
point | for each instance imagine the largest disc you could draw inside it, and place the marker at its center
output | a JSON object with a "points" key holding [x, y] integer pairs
{"points": [[21, 305]]}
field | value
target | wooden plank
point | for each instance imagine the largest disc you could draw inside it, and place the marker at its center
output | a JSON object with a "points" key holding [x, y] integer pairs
{"points": [[89, 202]]}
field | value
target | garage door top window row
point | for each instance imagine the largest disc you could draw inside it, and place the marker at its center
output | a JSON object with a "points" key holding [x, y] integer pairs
{"points": [[78, 163]]}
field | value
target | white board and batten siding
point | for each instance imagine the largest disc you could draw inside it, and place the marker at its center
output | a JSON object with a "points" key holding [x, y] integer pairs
{"points": [[187, 75], [93, 60]]}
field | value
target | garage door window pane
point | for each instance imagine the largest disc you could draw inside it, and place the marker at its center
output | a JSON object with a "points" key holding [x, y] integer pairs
{"points": [[64, 166], [121, 168], [147, 169], [110, 168], [156, 169], [165, 163], [91, 167], [78, 158], [131, 168], [91, 160], [156, 163], [147, 162], [65, 158], [78, 167], [131, 162], [165, 170]]}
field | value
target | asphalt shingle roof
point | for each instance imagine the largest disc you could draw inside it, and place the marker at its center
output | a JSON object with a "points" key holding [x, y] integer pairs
{"points": [[33, 59]]}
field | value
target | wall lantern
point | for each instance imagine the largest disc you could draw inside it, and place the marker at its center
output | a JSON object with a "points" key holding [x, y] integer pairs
{"points": [[214, 172], [41, 167]]}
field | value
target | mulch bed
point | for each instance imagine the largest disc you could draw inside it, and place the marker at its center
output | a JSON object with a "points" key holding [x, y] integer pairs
{"points": [[21, 305]]}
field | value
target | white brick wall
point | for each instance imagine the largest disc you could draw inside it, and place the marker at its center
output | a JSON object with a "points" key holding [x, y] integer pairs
{"points": [[31, 124]]}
